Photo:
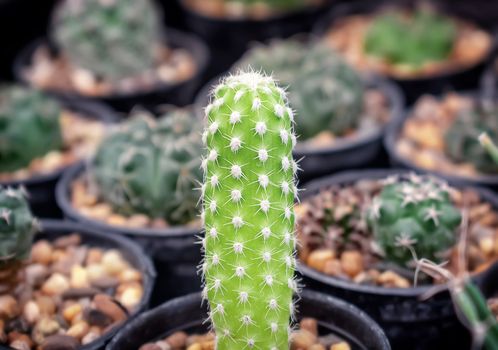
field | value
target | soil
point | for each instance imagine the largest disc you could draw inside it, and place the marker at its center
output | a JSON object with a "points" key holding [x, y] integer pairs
{"points": [[305, 337], [80, 136], [376, 113], [471, 46], [422, 139], [69, 294], [335, 239], [55, 72], [85, 199], [237, 10]]}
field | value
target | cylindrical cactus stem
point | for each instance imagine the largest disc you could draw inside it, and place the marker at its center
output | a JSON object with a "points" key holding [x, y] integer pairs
{"points": [[249, 196], [490, 146]]}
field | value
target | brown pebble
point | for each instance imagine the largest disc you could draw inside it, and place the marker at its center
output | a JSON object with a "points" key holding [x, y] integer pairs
{"points": [[97, 318], [20, 345], [94, 256], [78, 293], [340, 346], [309, 324], [317, 347], [55, 285], [67, 241], [41, 252], [60, 342], [302, 339], [318, 258], [150, 346], [108, 306], [78, 330], [8, 307], [177, 340], [352, 263]]}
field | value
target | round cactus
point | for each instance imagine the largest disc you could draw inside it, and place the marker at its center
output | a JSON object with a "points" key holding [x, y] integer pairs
{"points": [[29, 127], [461, 139], [17, 228], [114, 39], [413, 40], [417, 212], [248, 201], [326, 92], [152, 167]]}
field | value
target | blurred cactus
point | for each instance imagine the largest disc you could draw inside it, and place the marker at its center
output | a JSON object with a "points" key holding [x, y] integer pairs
{"points": [[490, 146], [249, 196], [275, 5], [29, 127], [461, 139], [326, 93], [152, 167], [415, 212], [114, 39], [410, 39], [17, 228]]}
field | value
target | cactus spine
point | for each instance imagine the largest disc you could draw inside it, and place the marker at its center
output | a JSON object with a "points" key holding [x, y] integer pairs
{"points": [[17, 228], [249, 196]]}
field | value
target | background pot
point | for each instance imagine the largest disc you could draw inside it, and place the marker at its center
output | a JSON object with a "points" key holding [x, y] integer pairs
{"points": [[173, 250], [187, 314], [229, 38], [52, 230], [41, 188], [356, 153], [181, 93], [409, 322], [413, 88], [390, 140]]}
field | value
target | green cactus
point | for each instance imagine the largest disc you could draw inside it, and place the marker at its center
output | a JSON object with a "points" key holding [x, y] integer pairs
{"points": [[29, 127], [17, 228], [249, 196], [417, 212], [152, 167], [114, 39], [411, 40], [489, 146], [461, 139], [326, 92], [276, 5]]}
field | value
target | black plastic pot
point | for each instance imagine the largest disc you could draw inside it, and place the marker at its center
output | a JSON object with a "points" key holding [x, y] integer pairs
{"points": [[397, 160], [413, 88], [187, 314], [228, 38], [178, 94], [52, 230], [173, 250], [355, 153], [41, 188], [409, 322]]}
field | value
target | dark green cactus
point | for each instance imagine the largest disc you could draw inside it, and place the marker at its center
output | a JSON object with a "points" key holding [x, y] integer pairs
{"points": [[249, 196], [114, 39], [417, 212], [152, 167], [461, 139], [29, 127], [326, 93], [411, 40]]}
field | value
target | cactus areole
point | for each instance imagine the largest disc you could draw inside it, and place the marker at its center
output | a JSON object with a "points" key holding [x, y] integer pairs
{"points": [[249, 194]]}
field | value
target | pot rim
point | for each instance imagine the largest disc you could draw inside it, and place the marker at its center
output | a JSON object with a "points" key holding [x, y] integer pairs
{"points": [[349, 177]]}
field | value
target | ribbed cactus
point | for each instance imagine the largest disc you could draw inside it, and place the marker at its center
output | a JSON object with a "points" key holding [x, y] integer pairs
{"points": [[249, 196], [424, 36], [29, 126], [152, 167], [17, 228], [326, 93], [114, 39], [461, 139], [417, 212]]}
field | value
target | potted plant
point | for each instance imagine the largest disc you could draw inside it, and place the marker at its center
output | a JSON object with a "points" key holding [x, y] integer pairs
{"points": [[72, 288], [248, 197], [359, 233], [104, 50], [340, 116], [141, 183], [228, 26], [41, 137], [440, 136], [422, 49], [180, 323]]}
